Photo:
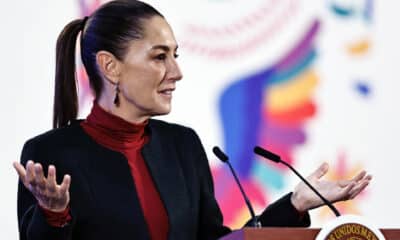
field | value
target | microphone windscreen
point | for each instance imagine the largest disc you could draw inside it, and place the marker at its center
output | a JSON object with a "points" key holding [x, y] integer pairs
{"points": [[267, 154], [220, 154]]}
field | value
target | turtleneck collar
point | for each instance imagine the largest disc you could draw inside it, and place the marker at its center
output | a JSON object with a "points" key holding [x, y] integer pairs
{"points": [[114, 132]]}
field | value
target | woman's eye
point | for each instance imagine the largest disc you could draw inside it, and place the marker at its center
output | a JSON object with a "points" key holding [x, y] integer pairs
{"points": [[164, 56], [161, 57]]}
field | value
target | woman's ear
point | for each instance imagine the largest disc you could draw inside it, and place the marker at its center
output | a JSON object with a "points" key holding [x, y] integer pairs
{"points": [[109, 66]]}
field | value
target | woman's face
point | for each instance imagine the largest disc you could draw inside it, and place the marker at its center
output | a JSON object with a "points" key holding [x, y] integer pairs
{"points": [[149, 71]]}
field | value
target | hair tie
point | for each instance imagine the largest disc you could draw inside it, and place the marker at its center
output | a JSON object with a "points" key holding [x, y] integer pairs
{"points": [[84, 22]]}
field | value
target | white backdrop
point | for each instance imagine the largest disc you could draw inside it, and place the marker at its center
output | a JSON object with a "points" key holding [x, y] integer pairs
{"points": [[351, 128]]}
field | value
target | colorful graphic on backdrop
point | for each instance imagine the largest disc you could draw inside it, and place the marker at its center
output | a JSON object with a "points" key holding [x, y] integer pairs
{"points": [[268, 108]]}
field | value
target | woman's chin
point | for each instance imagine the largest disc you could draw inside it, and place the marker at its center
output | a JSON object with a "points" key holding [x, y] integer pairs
{"points": [[162, 110]]}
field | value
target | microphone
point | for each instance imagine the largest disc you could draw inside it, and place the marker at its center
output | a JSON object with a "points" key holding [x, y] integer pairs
{"points": [[276, 158], [222, 156]]}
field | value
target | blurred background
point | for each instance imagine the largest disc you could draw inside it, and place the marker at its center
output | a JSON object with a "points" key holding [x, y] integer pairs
{"points": [[314, 81]]}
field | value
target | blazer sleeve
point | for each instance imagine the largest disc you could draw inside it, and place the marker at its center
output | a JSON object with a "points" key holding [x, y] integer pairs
{"points": [[282, 213], [32, 223]]}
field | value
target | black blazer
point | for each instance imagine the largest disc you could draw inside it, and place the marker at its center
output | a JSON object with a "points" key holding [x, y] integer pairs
{"points": [[104, 203]]}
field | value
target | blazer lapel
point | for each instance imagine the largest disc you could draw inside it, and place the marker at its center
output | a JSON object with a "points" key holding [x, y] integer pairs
{"points": [[115, 201], [167, 174]]}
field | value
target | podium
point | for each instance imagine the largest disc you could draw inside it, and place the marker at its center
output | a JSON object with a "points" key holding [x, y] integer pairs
{"points": [[284, 233]]}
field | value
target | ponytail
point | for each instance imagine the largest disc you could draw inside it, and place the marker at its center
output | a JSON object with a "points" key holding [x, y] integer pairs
{"points": [[65, 95]]}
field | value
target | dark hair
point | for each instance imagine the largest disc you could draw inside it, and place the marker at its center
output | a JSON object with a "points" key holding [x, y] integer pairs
{"points": [[109, 28]]}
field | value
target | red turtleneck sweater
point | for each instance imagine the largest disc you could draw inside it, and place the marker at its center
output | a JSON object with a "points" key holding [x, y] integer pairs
{"points": [[119, 135]]}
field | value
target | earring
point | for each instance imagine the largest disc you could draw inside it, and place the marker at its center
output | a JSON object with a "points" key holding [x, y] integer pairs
{"points": [[116, 99]]}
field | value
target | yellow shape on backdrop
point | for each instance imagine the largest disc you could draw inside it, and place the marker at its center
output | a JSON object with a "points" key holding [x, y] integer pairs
{"points": [[293, 93]]}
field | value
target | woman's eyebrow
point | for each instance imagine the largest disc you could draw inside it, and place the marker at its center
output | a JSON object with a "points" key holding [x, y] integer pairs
{"points": [[163, 47]]}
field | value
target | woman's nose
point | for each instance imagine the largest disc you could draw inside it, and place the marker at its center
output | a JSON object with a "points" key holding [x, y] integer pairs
{"points": [[175, 71]]}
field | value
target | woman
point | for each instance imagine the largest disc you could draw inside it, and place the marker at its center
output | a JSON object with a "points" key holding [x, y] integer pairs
{"points": [[124, 175]]}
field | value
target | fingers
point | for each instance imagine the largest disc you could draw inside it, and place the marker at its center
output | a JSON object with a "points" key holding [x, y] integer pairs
{"points": [[359, 176], [39, 177], [357, 190], [20, 170], [355, 186], [64, 187], [51, 179], [347, 190], [344, 183], [368, 177], [33, 177], [361, 185], [30, 175], [321, 171]]}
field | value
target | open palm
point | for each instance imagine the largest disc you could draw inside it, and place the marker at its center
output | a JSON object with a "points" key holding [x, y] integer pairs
{"points": [[304, 198], [49, 194]]}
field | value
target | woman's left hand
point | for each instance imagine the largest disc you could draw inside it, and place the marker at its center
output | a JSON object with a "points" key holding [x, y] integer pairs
{"points": [[304, 199]]}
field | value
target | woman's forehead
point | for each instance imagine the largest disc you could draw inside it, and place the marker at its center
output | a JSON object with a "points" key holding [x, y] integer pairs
{"points": [[158, 29], [157, 35]]}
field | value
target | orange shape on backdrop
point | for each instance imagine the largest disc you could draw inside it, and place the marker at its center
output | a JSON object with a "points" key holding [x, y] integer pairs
{"points": [[359, 47]]}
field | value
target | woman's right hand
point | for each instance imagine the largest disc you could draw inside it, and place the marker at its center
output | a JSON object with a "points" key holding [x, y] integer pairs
{"points": [[48, 193]]}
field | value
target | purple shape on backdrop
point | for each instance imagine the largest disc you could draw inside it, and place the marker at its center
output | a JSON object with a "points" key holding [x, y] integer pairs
{"points": [[284, 135], [300, 50]]}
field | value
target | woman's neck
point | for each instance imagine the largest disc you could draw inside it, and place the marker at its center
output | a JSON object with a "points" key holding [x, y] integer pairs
{"points": [[123, 111]]}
